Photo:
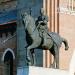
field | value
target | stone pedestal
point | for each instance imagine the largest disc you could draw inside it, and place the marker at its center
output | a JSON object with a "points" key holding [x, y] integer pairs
{"points": [[31, 70], [24, 6]]}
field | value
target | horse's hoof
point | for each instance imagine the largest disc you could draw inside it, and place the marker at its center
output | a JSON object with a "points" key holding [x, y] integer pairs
{"points": [[29, 64], [28, 59], [52, 66], [66, 48]]}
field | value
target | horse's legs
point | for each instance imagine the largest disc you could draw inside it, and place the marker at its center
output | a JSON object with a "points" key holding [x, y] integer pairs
{"points": [[34, 60], [53, 53], [28, 57], [53, 64], [33, 57], [32, 46], [56, 56]]}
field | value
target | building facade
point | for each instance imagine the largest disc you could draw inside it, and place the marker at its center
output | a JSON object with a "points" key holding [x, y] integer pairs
{"points": [[8, 44], [61, 15]]}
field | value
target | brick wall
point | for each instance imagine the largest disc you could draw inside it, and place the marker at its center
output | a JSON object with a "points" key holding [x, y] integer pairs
{"points": [[66, 29]]}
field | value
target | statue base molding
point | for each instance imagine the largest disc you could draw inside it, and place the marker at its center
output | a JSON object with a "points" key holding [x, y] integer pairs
{"points": [[32, 70]]}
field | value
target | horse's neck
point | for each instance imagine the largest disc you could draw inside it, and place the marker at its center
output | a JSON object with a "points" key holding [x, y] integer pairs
{"points": [[72, 64], [31, 24]]}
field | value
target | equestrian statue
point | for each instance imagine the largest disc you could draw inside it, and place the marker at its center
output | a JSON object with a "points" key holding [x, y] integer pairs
{"points": [[38, 36]]}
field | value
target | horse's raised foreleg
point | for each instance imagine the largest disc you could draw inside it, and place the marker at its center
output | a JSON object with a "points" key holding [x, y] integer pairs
{"points": [[66, 43]]}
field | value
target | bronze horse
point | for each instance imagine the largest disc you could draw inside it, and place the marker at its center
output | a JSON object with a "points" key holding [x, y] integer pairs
{"points": [[53, 41]]}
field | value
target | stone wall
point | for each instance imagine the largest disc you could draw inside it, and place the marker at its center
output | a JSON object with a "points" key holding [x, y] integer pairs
{"points": [[9, 44]]}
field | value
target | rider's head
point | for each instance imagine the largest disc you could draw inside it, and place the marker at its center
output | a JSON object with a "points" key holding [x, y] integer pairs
{"points": [[42, 11]]}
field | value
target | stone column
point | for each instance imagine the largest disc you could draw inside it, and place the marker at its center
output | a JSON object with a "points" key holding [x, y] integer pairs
{"points": [[24, 5], [21, 43]]}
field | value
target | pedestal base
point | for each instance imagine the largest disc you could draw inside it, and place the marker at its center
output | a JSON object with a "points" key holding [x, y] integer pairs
{"points": [[31, 70]]}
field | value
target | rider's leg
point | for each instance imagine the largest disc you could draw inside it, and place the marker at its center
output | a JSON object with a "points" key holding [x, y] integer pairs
{"points": [[44, 39]]}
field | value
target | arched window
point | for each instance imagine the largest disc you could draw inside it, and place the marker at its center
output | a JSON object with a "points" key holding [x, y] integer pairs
{"points": [[7, 58]]}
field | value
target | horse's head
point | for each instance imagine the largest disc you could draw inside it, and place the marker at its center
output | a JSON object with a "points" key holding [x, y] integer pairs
{"points": [[24, 15], [28, 22], [24, 19]]}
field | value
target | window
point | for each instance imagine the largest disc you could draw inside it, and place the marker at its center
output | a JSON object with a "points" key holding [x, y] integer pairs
{"points": [[67, 6]]}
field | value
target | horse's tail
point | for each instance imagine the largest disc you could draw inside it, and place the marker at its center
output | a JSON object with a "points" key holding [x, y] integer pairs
{"points": [[66, 43]]}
